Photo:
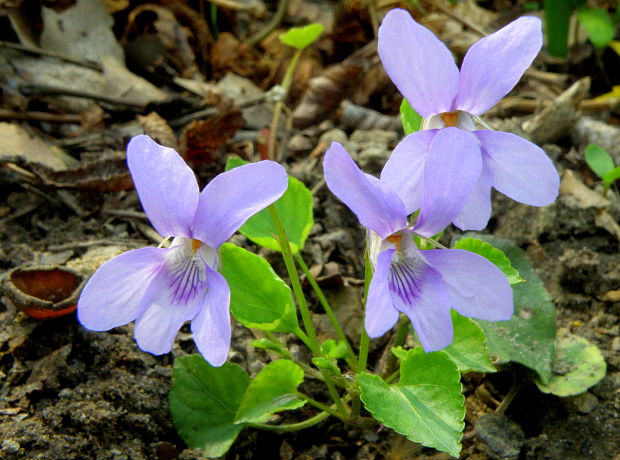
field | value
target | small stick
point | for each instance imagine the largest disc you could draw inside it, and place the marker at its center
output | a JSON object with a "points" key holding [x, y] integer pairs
{"points": [[43, 52], [40, 116]]}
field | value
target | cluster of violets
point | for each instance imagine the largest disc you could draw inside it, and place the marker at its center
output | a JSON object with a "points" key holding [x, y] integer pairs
{"points": [[440, 175]]}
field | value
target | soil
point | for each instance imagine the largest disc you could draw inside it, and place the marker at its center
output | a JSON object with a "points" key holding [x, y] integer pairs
{"points": [[69, 393]]}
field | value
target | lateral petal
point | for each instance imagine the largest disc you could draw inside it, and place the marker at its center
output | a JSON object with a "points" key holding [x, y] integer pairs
{"points": [[519, 168], [166, 186], [494, 64], [114, 295], [404, 169], [452, 170], [477, 287], [419, 64], [211, 326], [380, 313], [477, 210], [375, 204], [233, 197]]}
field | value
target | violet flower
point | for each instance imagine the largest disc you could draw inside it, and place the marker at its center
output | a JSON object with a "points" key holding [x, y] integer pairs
{"points": [[423, 70], [424, 285], [162, 288]]}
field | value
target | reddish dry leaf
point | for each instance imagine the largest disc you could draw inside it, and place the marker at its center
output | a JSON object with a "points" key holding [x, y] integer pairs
{"points": [[157, 128], [230, 55], [203, 138]]}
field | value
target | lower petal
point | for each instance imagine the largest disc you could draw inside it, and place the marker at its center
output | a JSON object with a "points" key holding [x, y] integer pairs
{"points": [[211, 326], [157, 327], [519, 168], [424, 299], [478, 288], [114, 294], [477, 210], [380, 313]]}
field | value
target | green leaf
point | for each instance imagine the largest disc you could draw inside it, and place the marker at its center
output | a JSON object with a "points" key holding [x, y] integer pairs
{"points": [[577, 366], [272, 390], [411, 120], [328, 364], [399, 352], [598, 24], [334, 349], [469, 349], [557, 17], [426, 405], [611, 176], [301, 37], [295, 211], [494, 255], [258, 297], [528, 337], [598, 159], [203, 403], [266, 344]]}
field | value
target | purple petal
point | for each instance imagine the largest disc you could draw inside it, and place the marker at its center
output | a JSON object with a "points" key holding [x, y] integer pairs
{"points": [[211, 327], [477, 287], [380, 313], [166, 186], [477, 210], [422, 296], [419, 64], [404, 169], [452, 169], [374, 203], [519, 168], [114, 294], [171, 302], [234, 196], [494, 65]]}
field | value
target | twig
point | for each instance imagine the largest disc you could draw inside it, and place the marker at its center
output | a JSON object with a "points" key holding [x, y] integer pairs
{"points": [[271, 26], [31, 89], [49, 53], [40, 116], [125, 213]]}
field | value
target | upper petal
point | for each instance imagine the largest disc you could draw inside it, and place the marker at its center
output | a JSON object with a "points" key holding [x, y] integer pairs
{"points": [[211, 326], [234, 196], [419, 64], [519, 168], [422, 296], [477, 287], [380, 313], [477, 210], [452, 169], [166, 186], [494, 65], [114, 295], [404, 169], [374, 203]]}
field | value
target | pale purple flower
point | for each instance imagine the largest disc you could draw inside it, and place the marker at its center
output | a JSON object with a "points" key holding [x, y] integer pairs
{"points": [[424, 285], [424, 71], [162, 288]]}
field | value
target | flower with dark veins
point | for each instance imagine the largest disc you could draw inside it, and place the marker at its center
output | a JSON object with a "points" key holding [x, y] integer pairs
{"points": [[162, 288], [424, 285], [424, 71]]}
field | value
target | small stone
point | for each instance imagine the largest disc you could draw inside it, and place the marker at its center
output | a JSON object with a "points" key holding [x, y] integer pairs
{"points": [[615, 344], [503, 437], [300, 143], [334, 135], [10, 447], [583, 403]]}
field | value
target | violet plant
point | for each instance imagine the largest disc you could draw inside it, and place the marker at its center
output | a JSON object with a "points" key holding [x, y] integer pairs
{"points": [[434, 177]]}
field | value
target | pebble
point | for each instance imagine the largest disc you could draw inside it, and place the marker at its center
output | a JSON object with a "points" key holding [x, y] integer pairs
{"points": [[10, 447], [503, 437]]}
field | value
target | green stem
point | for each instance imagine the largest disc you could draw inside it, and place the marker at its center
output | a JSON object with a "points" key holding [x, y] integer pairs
{"points": [[313, 342], [289, 261], [292, 426], [393, 377], [399, 340], [329, 311], [277, 111], [271, 336], [364, 339], [323, 407]]}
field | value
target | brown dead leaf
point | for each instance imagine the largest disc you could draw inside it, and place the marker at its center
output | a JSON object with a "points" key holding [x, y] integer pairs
{"points": [[157, 128], [229, 54], [203, 138], [17, 142]]}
